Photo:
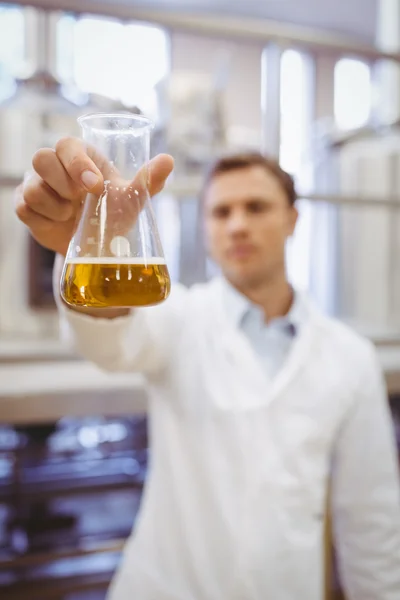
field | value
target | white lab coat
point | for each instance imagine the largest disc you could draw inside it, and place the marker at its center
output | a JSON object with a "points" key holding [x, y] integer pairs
{"points": [[234, 502]]}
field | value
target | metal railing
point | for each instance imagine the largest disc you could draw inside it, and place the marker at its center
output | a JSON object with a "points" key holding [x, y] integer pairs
{"points": [[189, 188]]}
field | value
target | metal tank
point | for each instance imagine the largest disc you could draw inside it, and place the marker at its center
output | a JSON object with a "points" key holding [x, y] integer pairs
{"points": [[355, 273]]}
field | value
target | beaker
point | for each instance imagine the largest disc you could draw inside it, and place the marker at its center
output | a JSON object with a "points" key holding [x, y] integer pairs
{"points": [[115, 257]]}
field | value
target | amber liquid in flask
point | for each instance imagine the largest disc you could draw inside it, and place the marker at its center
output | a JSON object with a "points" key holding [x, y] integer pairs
{"points": [[115, 282]]}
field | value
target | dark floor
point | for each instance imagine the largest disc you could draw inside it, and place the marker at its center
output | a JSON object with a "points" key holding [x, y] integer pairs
{"points": [[68, 499]]}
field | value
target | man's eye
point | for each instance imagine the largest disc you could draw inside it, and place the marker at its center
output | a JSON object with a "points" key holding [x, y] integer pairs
{"points": [[221, 212], [257, 207]]}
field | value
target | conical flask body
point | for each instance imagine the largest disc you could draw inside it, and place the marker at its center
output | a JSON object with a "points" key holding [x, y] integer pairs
{"points": [[115, 258]]}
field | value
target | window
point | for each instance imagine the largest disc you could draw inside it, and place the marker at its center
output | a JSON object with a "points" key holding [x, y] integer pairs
{"points": [[121, 61], [65, 48], [12, 47], [353, 93], [295, 104]]}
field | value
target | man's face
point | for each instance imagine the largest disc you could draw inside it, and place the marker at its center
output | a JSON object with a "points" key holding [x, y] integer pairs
{"points": [[247, 221]]}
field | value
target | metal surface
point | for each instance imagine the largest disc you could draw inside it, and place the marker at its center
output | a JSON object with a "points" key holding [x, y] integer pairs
{"points": [[23, 350], [45, 392], [260, 30]]}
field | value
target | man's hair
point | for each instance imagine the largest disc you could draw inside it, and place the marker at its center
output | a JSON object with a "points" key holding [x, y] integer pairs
{"points": [[246, 160]]}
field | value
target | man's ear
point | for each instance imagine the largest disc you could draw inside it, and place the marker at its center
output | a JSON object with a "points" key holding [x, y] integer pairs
{"points": [[293, 216]]}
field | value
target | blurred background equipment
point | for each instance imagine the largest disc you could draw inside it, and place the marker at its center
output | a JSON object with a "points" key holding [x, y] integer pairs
{"points": [[316, 84]]}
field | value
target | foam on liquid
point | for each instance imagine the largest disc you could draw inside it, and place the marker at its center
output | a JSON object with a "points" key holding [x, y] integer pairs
{"points": [[116, 260]]}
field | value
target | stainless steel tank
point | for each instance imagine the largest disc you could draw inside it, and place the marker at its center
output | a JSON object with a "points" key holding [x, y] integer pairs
{"points": [[359, 278]]}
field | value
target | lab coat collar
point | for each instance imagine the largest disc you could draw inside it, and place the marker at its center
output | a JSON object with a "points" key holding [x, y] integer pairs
{"points": [[237, 306], [236, 349]]}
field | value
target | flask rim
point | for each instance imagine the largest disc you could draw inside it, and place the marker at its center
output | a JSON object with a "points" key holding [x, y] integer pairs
{"points": [[140, 121]]}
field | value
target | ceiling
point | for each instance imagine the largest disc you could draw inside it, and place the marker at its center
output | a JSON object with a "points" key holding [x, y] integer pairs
{"points": [[354, 17]]}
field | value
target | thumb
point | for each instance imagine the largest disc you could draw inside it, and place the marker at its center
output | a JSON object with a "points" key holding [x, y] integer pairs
{"points": [[159, 169]]}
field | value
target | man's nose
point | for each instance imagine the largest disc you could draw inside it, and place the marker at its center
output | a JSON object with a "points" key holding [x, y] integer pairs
{"points": [[238, 222]]}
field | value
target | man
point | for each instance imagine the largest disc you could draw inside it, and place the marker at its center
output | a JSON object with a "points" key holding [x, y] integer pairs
{"points": [[257, 403]]}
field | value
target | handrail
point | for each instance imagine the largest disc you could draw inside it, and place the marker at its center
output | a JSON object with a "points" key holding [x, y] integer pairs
{"points": [[365, 202], [42, 558], [262, 30], [189, 187]]}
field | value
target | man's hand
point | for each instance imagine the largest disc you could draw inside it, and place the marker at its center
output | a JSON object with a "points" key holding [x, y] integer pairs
{"points": [[49, 199]]}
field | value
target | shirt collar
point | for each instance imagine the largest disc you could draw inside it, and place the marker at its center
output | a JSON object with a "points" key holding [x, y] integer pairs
{"points": [[238, 306]]}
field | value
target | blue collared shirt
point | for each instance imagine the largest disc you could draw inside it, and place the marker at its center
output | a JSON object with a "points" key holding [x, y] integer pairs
{"points": [[270, 341]]}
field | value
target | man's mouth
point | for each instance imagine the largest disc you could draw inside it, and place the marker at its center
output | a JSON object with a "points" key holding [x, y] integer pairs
{"points": [[241, 251]]}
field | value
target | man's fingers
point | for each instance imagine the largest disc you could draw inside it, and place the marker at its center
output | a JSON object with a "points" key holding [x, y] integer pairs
{"points": [[87, 168], [132, 196], [83, 171], [31, 218], [47, 164], [52, 235], [47, 201], [160, 168], [150, 178], [47, 233], [44, 201]]}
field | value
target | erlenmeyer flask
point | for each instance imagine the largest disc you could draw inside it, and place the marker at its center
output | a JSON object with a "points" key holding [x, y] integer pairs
{"points": [[115, 258]]}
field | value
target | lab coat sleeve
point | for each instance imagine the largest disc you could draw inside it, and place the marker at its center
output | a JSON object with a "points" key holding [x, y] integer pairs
{"points": [[139, 342], [366, 493]]}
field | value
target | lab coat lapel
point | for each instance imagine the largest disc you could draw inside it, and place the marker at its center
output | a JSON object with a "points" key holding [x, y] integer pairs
{"points": [[239, 360], [299, 354]]}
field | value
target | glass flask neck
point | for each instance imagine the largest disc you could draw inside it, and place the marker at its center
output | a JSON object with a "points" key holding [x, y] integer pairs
{"points": [[122, 139]]}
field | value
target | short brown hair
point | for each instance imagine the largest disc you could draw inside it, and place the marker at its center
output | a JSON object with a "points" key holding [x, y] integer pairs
{"points": [[253, 159]]}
